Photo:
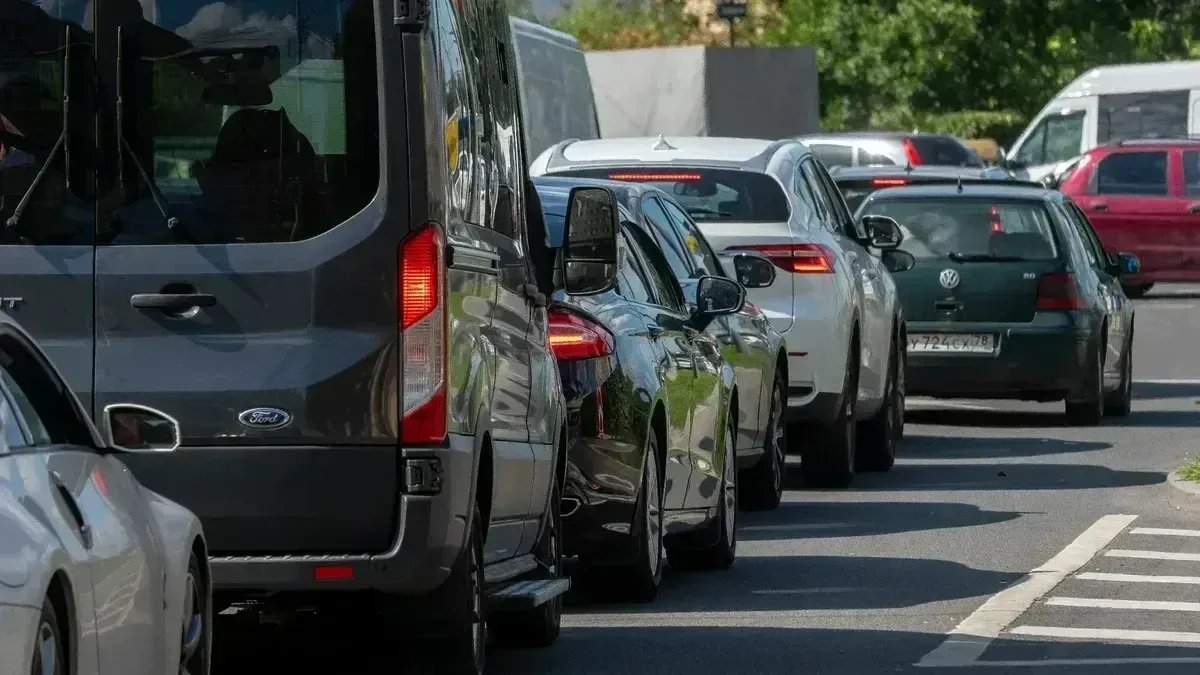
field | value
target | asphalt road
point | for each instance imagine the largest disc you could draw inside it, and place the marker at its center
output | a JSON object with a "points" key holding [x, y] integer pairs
{"points": [[874, 578]]}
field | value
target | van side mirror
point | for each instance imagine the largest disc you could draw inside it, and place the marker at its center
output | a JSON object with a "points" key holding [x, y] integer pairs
{"points": [[589, 255], [883, 232], [129, 427], [754, 271]]}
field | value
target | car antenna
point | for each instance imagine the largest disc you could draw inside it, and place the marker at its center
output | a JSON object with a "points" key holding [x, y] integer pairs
{"points": [[662, 144]]}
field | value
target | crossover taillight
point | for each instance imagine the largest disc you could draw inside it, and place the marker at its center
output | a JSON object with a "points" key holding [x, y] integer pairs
{"points": [[422, 299], [573, 337], [796, 258], [1059, 291]]}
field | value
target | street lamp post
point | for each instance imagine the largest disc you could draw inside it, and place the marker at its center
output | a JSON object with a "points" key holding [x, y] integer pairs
{"points": [[731, 11]]}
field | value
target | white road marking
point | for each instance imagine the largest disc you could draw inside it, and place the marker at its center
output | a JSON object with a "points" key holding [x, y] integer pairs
{"points": [[801, 591], [1165, 531], [967, 642], [1138, 578], [1066, 663], [1167, 380], [1106, 603], [939, 403], [1108, 634], [1153, 555]]}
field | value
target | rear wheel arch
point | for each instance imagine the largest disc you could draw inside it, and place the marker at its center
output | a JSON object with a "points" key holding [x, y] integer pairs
{"points": [[483, 484], [60, 595], [781, 366], [658, 427]]}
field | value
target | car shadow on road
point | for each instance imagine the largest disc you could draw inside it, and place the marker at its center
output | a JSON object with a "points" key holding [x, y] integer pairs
{"points": [[827, 520], [1001, 419], [1153, 390], [905, 477], [961, 447]]}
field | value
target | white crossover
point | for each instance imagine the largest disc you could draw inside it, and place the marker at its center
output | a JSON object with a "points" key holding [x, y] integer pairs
{"points": [[835, 302], [98, 575]]}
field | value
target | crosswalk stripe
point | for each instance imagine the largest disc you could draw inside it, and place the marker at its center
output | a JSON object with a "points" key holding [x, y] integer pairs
{"points": [[1108, 603], [1153, 555], [1108, 634], [1138, 578], [1165, 531]]}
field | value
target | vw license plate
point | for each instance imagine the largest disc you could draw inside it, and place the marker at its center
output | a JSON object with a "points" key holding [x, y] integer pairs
{"points": [[952, 343]]}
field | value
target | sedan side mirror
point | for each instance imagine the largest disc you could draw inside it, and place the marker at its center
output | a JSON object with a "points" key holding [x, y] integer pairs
{"points": [[883, 232], [754, 271], [1128, 263], [589, 255], [898, 261], [130, 427], [716, 296]]}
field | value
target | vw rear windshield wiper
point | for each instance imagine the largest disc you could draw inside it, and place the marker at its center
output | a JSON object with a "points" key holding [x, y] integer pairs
{"points": [[983, 257]]}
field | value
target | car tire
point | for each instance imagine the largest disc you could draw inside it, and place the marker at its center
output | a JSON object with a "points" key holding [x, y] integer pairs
{"points": [[195, 646], [721, 550], [642, 578], [761, 486], [827, 460], [1120, 402], [49, 656], [1136, 291], [1088, 411], [877, 436], [540, 626]]}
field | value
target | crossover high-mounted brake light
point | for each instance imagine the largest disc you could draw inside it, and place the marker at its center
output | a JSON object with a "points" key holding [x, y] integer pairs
{"points": [[1059, 291], [573, 337], [421, 294], [634, 176], [796, 258]]}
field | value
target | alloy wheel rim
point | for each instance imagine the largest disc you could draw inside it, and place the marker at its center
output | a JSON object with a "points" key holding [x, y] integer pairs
{"points": [[193, 626], [730, 487], [47, 649], [777, 439], [653, 529]]}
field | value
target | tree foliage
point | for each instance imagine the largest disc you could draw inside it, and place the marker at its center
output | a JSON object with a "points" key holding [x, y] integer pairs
{"points": [[970, 67]]}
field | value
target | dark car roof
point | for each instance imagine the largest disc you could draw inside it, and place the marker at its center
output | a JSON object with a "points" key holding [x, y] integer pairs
{"points": [[554, 192], [995, 190], [919, 171]]}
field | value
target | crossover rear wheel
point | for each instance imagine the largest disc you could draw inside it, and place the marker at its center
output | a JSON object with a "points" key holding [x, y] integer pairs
{"points": [[49, 658], [827, 459], [877, 436]]}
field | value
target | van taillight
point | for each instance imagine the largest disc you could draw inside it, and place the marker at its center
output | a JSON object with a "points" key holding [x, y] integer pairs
{"points": [[795, 258], [422, 298], [573, 337], [910, 152], [1059, 291]]}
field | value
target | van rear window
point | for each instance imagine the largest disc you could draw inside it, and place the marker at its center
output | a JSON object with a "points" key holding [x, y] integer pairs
{"points": [[708, 195], [1006, 230]]}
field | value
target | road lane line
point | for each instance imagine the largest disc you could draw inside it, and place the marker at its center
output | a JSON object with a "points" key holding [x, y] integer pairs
{"points": [[1138, 578], [1107, 634], [1165, 531], [1067, 663], [1107, 603], [1167, 381], [1153, 555], [967, 642]]}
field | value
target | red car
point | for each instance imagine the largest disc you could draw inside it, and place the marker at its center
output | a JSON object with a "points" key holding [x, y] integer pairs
{"points": [[1143, 197]]}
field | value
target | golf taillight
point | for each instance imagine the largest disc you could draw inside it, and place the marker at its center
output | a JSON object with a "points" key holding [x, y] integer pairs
{"points": [[796, 258], [421, 290], [573, 337], [1059, 291]]}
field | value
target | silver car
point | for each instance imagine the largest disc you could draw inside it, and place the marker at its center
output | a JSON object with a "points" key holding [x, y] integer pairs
{"points": [[98, 575]]}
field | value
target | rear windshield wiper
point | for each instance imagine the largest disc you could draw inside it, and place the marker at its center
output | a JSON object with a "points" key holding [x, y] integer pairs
{"points": [[983, 257]]}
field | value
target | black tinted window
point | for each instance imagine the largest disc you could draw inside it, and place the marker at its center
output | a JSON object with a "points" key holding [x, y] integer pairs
{"points": [[1191, 173], [664, 233], [42, 398], [1154, 114], [936, 228], [244, 121], [631, 282], [944, 151], [1132, 173], [666, 288], [833, 155], [709, 194], [702, 254]]}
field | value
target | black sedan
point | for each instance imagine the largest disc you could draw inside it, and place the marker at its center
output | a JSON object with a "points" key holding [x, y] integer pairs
{"points": [[652, 456]]}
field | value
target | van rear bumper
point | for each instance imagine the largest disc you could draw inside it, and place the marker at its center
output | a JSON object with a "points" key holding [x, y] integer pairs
{"points": [[430, 502]]}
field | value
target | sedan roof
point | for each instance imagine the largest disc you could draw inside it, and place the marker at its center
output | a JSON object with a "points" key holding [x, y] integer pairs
{"points": [[992, 189]]}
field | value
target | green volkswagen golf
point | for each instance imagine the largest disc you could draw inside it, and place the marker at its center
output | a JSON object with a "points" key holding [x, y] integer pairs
{"points": [[1008, 293]]}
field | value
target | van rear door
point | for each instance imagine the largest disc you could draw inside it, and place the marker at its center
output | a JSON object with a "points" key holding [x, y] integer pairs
{"points": [[246, 269]]}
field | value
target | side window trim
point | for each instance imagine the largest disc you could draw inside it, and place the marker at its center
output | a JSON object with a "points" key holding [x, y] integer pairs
{"points": [[640, 252], [1089, 233], [685, 225], [657, 235], [626, 242], [805, 170]]}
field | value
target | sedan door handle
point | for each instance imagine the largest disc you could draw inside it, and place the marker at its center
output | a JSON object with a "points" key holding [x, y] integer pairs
{"points": [[85, 530], [172, 302], [1100, 206]]}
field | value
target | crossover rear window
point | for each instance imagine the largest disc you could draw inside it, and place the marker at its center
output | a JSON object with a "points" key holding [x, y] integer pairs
{"points": [[943, 151], [709, 194], [972, 228]]}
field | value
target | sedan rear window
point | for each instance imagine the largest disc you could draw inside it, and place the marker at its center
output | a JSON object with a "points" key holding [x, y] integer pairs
{"points": [[709, 194], [971, 229]]}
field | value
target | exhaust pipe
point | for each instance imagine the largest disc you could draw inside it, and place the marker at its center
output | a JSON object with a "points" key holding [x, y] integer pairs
{"points": [[568, 506]]}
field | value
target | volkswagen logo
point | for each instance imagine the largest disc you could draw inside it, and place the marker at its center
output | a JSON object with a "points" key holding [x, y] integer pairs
{"points": [[265, 418], [949, 279]]}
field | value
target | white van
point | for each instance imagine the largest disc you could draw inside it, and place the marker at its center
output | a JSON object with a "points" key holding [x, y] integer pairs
{"points": [[1146, 100], [556, 90]]}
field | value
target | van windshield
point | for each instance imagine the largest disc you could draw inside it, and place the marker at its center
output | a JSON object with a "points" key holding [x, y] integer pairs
{"points": [[970, 230], [708, 194]]}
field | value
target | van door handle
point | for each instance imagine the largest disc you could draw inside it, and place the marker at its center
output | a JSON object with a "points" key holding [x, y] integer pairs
{"points": [[172, 302], [533, 295], [85, 530], [1100, 206]]}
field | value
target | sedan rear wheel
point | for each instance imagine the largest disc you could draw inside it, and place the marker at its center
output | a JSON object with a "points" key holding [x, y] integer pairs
{"points": [[720, 551], [48, 655], [640, 580]]}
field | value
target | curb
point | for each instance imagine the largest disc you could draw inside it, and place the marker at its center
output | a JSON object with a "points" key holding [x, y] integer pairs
{"points": [[1190, 487]]}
